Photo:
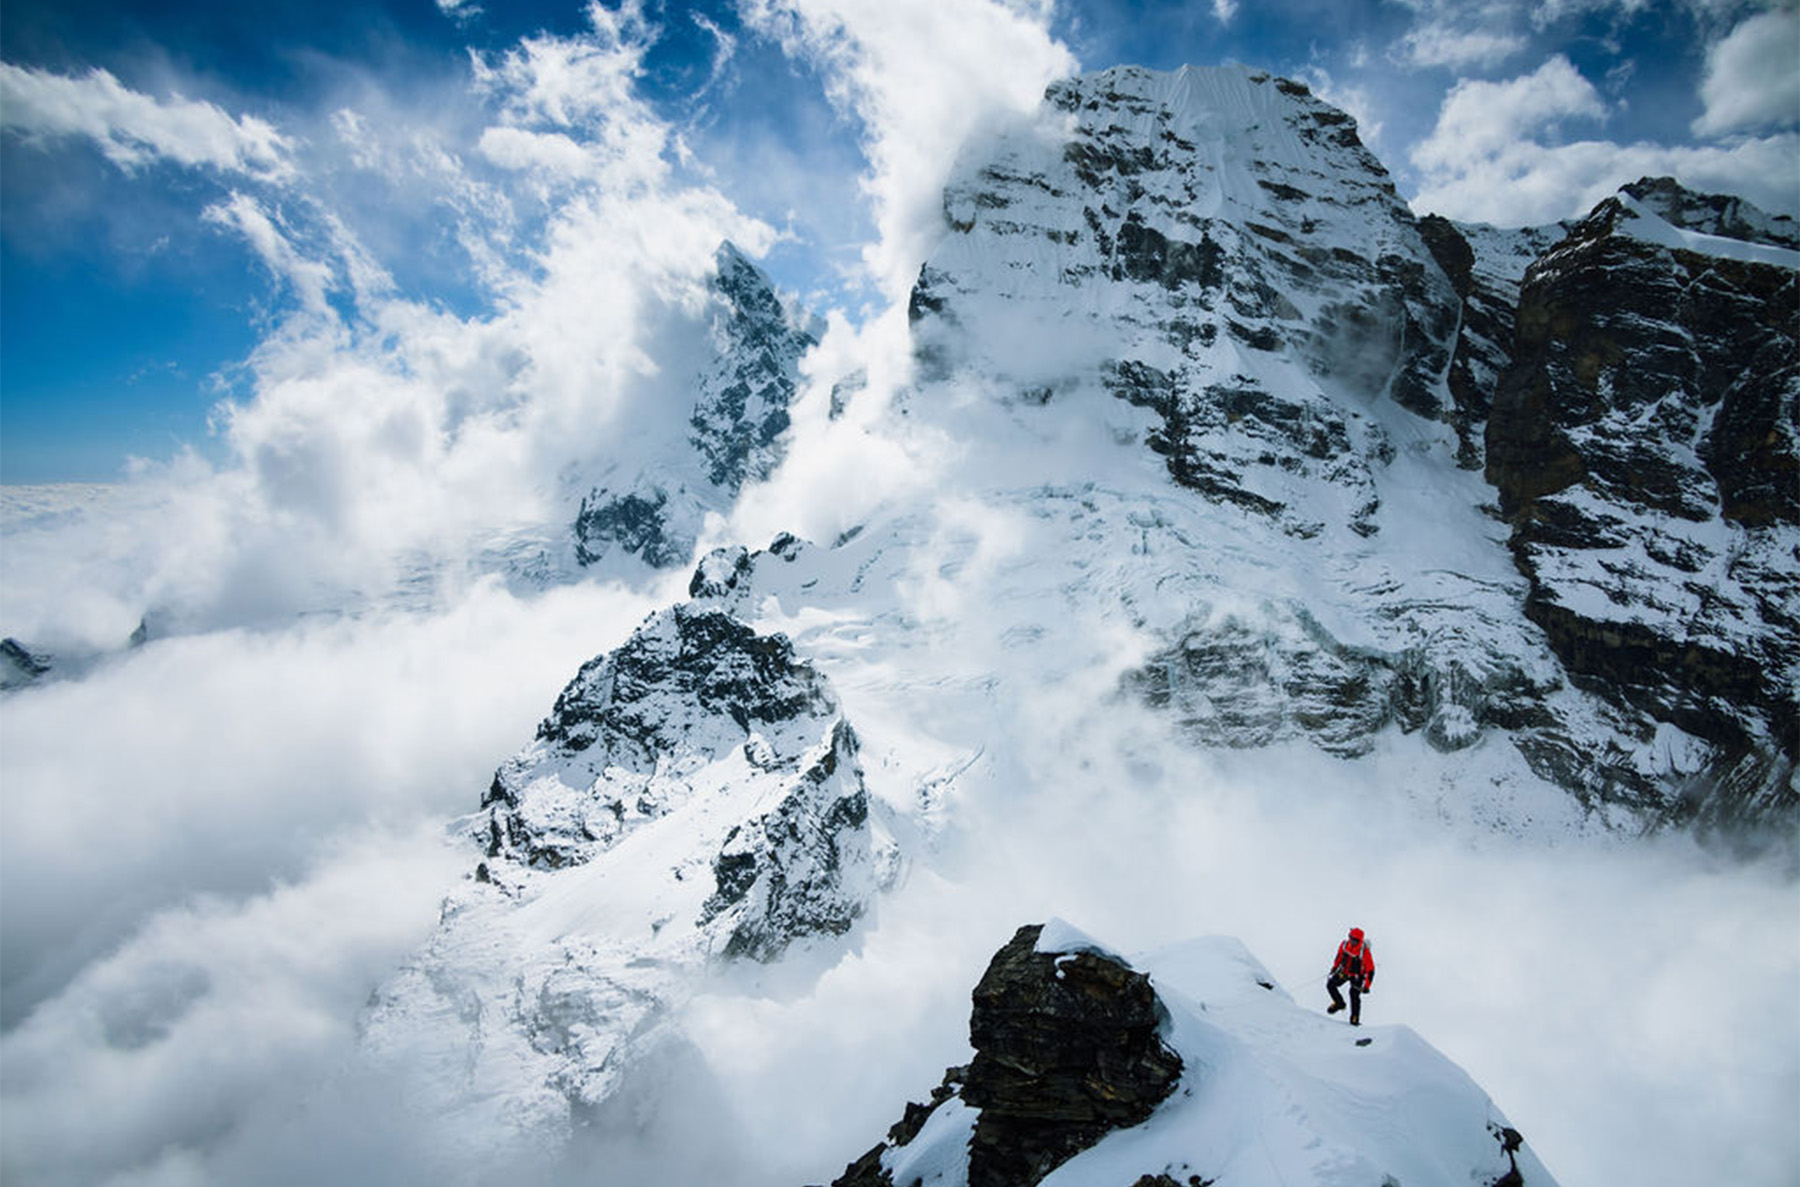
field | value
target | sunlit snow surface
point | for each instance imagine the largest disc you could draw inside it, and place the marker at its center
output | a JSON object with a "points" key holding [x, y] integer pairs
{"points": [[1271, 1094]]}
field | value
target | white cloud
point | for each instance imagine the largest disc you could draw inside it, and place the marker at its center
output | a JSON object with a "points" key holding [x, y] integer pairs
{"points": [[1224, 10], [1548, 12], [311, 280], [133, 129], [1440, 45], [921, 78], [1530, 184], [1499, 154], [1480, 119], [1753, 76], [213, 1014]]}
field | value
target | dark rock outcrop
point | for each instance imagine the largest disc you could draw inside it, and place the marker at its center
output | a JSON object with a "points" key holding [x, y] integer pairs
{"points": [[1067, 1049], [1646, 446]]}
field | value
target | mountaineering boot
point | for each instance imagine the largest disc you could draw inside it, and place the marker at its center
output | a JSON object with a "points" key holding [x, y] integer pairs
{"points": [[1355, 1021], [1334, 1007]]}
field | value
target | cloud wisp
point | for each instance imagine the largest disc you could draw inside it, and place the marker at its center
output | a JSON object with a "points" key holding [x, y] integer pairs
{"points": [[135, 130]]}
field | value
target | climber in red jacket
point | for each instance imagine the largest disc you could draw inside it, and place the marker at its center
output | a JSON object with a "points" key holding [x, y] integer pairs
{"points": [[1355, 964]]}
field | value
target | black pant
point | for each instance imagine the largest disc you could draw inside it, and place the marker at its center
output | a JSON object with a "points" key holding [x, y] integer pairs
{"points": [[1337, 999]]}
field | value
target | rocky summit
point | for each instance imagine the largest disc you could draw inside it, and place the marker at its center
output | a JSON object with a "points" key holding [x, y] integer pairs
{"points": [[694, 799], [1195, 1069], [649, 505]]}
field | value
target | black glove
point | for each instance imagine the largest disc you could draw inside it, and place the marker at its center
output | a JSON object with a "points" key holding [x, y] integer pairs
{"points": [[1367, 988]]}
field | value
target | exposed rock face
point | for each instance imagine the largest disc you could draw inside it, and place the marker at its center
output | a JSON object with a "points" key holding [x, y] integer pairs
{"points": [[695, 797], [1067, 1049], [1216, 224], [1240, 684], [734, 434], [19, 665], [1485, 266], [1646, 450]]}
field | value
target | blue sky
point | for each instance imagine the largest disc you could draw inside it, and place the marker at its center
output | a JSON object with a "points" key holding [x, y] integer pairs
{"points": [[187, 189]]}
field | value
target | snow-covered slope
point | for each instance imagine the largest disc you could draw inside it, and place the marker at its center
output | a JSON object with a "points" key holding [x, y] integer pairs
{"points": [[1270, 1093]]}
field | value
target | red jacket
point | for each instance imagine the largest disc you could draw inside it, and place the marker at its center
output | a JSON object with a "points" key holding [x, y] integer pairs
{"points": [[1355, 965]]}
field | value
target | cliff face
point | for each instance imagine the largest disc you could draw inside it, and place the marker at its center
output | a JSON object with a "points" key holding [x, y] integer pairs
{"points": [[1644, 445]]}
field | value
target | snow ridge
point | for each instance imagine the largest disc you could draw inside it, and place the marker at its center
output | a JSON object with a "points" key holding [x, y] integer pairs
{"points": [[1269, 1093]]}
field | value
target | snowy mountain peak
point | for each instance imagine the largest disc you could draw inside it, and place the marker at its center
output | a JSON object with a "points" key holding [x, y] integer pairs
{"points": [[1189, 1065], [649, 503], [1723, 215], [1215, 221], [695, 798]]}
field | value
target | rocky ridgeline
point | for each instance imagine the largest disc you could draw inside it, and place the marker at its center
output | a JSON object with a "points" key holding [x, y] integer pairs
{"points": [[693, 799], [1067, 1049], [733, 435], [1192, 1070], [1645, 442]]}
